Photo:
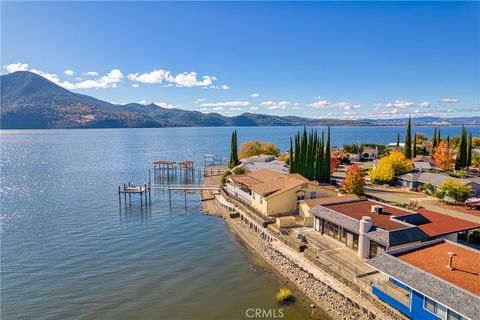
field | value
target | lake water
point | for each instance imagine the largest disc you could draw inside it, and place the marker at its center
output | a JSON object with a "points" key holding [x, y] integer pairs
{"points": [[67, 252]]}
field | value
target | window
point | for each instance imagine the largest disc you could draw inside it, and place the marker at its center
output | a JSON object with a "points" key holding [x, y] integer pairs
{"points": [[452, 315], [435, 308], [253, 195], [300, 197], [472, 192], [313, 195], [261, 199]]}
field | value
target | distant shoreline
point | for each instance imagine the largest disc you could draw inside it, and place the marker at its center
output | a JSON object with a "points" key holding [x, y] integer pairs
{"points": [[187, 127]]}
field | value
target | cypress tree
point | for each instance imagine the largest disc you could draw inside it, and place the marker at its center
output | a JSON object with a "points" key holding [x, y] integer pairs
{"points": [[233, 151], [407, 149], [469, 151], [326, 164], [434, 139], [461, 160], [398, 140], [321, 156], [292, 160], [439, 137], [448, 141], [414, 145]]}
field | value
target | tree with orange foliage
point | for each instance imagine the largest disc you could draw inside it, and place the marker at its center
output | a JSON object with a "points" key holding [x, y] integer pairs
{"points": [[334, 164], [443, 156], [353, 182]]}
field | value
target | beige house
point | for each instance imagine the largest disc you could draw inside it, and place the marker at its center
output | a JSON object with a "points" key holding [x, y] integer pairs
{"points": [[273, 193]]}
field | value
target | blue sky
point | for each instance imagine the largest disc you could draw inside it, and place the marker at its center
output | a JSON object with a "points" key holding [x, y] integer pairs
{"points": [[315, 59]]}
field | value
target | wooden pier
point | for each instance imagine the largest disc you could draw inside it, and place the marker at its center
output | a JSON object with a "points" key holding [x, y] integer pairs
{"points": [[174, 176], [144, 191]]}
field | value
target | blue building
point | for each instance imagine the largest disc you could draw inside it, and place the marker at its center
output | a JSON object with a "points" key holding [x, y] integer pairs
{"points": [[433, 280]]}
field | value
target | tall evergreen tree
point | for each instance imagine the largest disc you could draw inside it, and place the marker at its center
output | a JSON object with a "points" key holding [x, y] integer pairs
{"points": [[291, 161], [407, 149], [326, 177], [469, 151], [448, 141], [434, 139], [398, 141], [461, 160], [439, 137], [233, 150], [414, 145]]}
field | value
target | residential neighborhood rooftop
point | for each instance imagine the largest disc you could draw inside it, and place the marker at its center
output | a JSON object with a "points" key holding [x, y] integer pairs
{"points": [[424, 268], [262, 161], [437, 224], [434, 260], [360, 208], [270, 183]]}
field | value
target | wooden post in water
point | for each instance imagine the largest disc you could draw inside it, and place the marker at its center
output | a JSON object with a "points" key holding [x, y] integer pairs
{"points": [[170, 197], [185, 197]]}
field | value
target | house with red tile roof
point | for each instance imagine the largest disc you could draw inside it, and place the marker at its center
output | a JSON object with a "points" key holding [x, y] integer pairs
{"points": [[371, 227], [437, 279]]}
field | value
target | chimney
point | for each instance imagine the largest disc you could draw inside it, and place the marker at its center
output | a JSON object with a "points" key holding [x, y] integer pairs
{"points": [[450, 260]]}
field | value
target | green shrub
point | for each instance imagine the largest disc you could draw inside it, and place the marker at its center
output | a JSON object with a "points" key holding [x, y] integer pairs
{"points": [[454, 189], [428, 188], [223, 179], [239, 170]]}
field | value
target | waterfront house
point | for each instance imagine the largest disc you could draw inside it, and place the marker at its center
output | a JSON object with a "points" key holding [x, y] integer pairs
{"points": [[262, 161], [371, 227], [369, 153], [416, 179], [437, 279], [423, 163], [272, 193]]}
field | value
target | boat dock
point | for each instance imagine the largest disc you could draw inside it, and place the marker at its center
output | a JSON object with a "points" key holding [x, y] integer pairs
{"points": [[174, 176], [144, 191]]}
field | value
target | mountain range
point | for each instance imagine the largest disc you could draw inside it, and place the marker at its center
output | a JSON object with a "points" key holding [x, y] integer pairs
{"points": [[30, 101]]}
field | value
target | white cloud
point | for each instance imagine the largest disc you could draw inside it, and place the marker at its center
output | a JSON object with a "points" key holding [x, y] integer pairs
{"points": [[186, 79], [199, 100], [90, 73], [109, 80], [143, 102], [449, 100], [254, 95], [226, 104], [156, 76], [424, 104], [400, 104], [164, 105], [135, 85], [217, 108], [16, 67], [253, 108], [320, 104], [282, 105], [235, 109], [346, 105], [69, 72]]}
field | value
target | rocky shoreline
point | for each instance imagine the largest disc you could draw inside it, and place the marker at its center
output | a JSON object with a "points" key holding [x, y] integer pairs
{"points": [[328, 300]]}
